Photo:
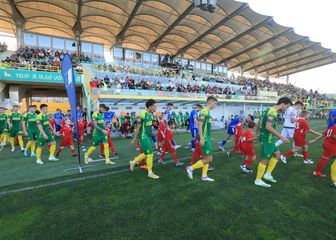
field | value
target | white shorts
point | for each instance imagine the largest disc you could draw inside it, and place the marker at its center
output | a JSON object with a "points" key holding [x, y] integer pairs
{"points": [[288, 132]]}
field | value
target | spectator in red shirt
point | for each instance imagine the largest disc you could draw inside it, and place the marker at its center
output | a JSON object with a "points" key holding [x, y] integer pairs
{"points": [[66, 132], [247, 147], [168, 144], [301, 128]]}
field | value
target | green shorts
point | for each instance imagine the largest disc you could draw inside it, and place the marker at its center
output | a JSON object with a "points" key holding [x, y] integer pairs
{"points": [[13, 132], [146, 144], [41, 141], [267, 150], [207, 148], [3, 130], [32, 135], [98, 139]]}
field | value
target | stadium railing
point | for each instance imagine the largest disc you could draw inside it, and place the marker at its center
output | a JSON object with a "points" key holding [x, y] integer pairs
{"points": [[36, 67], [140, 93]]}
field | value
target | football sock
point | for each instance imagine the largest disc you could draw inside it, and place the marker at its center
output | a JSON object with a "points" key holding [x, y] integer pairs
{"points": [[321, 164], [261, 170], [193, 143], [205, 170], [33, 146], [38, 153], [289, 153], [247, 162], [20, 141], [271, 165], [175, 157], [73, 152], [305, 155], [197, 165], [106, 152], [52, 149], [333, 171], [11, 141], [149, 162], [223, 143], [90, 150], [140, 157], [28, 145]]}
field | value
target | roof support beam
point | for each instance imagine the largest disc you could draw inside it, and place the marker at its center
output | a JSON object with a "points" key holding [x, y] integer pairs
{"points": [[300, 65], [305, 69], [295, 60], [225, 60], [270, 52], [17, 15], [253, 28], [171, 27], [77, 28], [284, 56], [213, 28], [121, 36]]}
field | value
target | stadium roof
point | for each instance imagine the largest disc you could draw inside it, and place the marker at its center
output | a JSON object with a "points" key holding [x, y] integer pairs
{"points": [[234, 35]]}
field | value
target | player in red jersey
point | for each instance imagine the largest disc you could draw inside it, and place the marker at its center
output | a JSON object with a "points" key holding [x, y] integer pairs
{"points": [[301, 128], [161, 133], [81, 130], [110, 143], [247, 147], [52, 121], [329, 146], [168, 144], [238, 132], [66, 132]]}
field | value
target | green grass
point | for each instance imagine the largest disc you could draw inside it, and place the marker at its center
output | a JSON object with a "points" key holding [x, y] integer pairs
{"points": [[131, 206]]}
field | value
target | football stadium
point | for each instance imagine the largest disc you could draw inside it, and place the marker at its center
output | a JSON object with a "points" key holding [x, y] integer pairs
{"points": [[162, 119]]}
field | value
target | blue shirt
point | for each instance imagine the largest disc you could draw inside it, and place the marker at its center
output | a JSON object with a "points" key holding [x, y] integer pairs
{"points": [[332, 115], [193, 115], [58, 118], [234, 122], [167, 113], [108, 116], [79, 114]]}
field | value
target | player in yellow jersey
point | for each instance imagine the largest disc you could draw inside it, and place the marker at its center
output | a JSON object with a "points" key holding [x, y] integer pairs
{"points": [[144, 133], [29, 126], [204, 139], [99, 135], [14, 121], [45, 135], [270, 154], [3, 127]]}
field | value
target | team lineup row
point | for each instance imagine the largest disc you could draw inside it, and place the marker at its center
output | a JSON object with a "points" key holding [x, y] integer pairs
{"points": [[38, 129]]}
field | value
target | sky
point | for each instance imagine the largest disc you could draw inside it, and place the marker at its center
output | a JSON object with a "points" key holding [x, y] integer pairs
{"points": [[315, 19]]}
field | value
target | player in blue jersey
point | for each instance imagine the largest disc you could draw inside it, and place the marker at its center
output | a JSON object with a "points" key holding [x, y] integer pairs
{"points": [[58, 116], [332, 116], [167, 113], [108, 116], [231, 128], [193, 125]]}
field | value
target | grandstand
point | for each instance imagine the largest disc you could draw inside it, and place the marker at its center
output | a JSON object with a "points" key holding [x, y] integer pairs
{"points": [[126, 52]]}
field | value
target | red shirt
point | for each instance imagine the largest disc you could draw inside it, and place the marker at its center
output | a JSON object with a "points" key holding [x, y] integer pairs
{"points": [[162, 126], [81, 127], [52, 122], [301, 128], [169, 136], [238, 131], [66, 131], [248, 134], [330, 141]]}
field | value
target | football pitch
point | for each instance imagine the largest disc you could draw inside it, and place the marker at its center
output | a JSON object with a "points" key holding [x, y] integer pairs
{"points": [[54, 202]]}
